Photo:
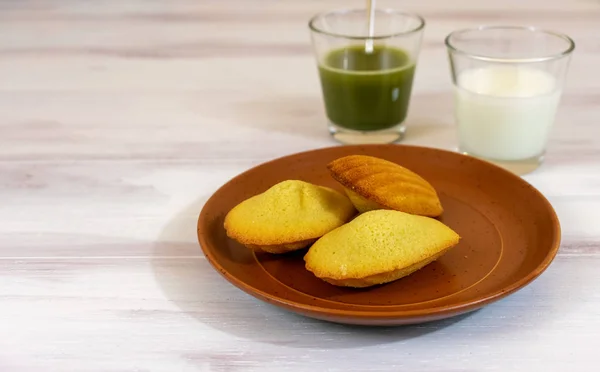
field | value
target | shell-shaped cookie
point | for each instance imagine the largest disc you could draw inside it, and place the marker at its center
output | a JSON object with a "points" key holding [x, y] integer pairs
{"points": [[378, 247], [288, 216], [374, 183]]}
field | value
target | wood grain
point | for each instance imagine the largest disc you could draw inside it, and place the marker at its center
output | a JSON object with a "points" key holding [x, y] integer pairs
{"points": [[119, 119]]}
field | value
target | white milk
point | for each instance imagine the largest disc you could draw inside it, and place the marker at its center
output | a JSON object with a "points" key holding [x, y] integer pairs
{"points": [[505, 112]]}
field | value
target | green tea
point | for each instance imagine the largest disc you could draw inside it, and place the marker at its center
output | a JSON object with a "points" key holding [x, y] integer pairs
{"points": [[367, 91]]}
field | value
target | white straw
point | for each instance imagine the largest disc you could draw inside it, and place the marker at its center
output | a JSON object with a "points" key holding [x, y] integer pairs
{"points": [[371, 24]]}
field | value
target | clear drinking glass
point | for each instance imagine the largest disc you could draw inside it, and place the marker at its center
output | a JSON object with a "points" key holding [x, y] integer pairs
{"points": [[508, 83], [366, 77]]}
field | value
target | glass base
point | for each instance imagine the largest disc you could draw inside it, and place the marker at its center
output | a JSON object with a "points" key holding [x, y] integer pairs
{"points": [[519, 167], [357, 137]]}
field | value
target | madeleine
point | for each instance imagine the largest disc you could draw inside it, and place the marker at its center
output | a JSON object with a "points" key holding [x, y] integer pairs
{"points": [[378, 247], [289, 216], [373, 183]]}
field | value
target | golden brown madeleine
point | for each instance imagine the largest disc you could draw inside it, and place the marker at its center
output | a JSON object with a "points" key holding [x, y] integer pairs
{"points": [[289, 216], [378, 247], [373, 183]]}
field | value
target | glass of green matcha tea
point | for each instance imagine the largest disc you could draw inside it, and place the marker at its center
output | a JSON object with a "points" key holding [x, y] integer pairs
{"points": [[366, 67]]}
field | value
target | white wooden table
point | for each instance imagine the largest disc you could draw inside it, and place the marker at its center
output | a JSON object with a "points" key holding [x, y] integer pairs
{"points": [[118, 119]]}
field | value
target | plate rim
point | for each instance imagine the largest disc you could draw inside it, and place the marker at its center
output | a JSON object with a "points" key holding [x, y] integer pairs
{"points": [[449, 309]]}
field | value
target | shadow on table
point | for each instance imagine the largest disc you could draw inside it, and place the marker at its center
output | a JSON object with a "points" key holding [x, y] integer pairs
{"points": [[200, 292], [297, 115], [304, 116]]}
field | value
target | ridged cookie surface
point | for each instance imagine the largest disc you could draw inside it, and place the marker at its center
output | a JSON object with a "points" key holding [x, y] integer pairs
{"points": [[374, 183], [378, 247], [288, 216]]}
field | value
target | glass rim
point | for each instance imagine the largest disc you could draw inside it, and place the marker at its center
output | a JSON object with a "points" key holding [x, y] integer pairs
{"points": [[314, 28], [567, 51]]}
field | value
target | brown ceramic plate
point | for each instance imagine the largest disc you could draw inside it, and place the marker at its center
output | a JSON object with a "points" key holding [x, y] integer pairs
{"points": [[510, 234]]}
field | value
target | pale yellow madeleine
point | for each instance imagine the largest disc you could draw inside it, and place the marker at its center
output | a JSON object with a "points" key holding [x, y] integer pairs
{"points": [[378, 247], [289, 216]]}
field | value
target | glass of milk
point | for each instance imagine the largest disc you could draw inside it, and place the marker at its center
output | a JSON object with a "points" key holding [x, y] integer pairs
{"points": [[508, 83]]}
